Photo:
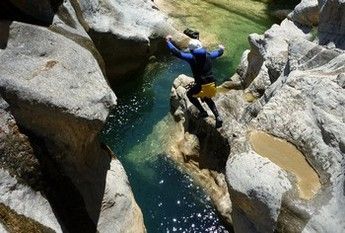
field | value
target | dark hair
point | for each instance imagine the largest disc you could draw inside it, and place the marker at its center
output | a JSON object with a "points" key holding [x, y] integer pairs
{"points": [[191, 33]]}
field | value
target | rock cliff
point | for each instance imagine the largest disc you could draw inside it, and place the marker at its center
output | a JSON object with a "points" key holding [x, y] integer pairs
{"points": [[126, 33], [56, 175], [283, 133]]}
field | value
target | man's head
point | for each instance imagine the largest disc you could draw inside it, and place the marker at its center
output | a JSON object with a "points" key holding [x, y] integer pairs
{"points": [[191, 33], [194, 44]]}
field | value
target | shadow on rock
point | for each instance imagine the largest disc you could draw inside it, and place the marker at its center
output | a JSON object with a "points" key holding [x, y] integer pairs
{"points": [[66, 200], [214, 148], [39, 12]]}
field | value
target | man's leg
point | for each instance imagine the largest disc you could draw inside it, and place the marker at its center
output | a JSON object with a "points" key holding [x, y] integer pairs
{"points": [[213, 108], [193, 91]]}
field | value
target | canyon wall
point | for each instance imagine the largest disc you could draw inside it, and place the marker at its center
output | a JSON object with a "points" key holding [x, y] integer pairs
{"points": [[281, 146], [55, 99]]}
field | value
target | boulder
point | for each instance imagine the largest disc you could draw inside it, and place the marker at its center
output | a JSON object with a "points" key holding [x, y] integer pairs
{"points": [[22, 181], [307, 12], [331, 27], [66, 23], [285, 147], [268, 55], [56, 91], [126, 33]]}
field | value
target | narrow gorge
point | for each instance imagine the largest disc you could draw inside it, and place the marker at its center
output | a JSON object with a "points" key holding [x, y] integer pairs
{"points": [[97, 134]]}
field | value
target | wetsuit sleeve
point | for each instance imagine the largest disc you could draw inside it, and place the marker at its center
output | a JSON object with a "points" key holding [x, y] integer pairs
{"points": [[178, 53], [216, 53]]}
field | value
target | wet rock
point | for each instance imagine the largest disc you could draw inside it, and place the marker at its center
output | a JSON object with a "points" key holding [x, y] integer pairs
{"points": [[193, 150], [281, 14]]}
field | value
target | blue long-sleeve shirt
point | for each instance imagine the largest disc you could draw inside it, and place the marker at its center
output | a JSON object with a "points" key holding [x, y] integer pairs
{"points": [[199, 61]]}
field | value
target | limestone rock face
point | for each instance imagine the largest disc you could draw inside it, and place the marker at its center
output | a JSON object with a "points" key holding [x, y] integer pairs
{"points": [[21, 178], [33, 67], [56, 91], [291, 179], [269, 54], [306, 13], [125, 32], [66, 23], [331, 27]]}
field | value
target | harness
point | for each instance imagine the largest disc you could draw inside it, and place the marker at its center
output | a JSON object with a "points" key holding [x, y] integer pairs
{"points": [[202, 68], [202, 72]]}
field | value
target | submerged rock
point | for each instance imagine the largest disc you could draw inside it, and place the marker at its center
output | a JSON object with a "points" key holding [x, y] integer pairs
{"points": [[285, 146]]}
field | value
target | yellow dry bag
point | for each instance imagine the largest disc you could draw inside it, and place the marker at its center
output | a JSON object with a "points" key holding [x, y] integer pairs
{"points": [[208, 90]]}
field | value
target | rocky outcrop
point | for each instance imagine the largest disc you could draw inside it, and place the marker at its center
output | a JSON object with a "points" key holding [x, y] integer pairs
{"points": [[268, 55], [285, 145], [56, 92], [66, 23], [21, 178], [126, 33], [306, 13], [331, 28]]}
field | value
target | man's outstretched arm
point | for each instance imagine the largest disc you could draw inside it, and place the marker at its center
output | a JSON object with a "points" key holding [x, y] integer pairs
{"points": [[178, 53], [218, 52]]}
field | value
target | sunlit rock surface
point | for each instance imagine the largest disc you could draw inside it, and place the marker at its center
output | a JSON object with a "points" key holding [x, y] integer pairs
{"points": [[21, 180], [296, 104], [56, 91], [125, 32], [306, 13]]}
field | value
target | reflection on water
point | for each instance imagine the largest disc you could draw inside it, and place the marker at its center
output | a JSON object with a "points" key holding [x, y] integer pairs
{"points": [[171, 202], [139, 131]]}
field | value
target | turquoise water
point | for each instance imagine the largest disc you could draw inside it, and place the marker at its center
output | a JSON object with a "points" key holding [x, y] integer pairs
{"points": [[168, 198], [139, 129]]}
